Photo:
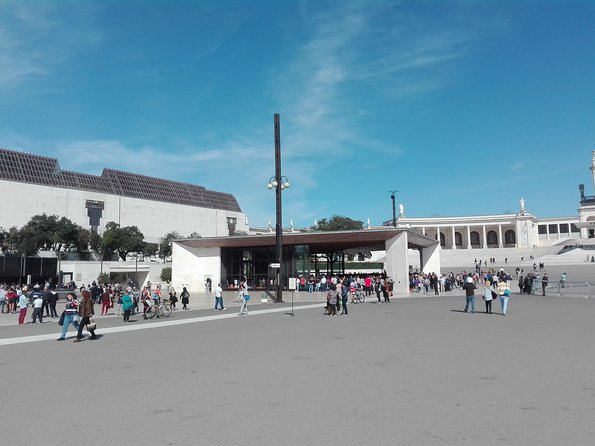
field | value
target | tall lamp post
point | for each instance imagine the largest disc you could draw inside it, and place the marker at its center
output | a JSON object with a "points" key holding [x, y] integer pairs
{"points": [[393, 194], [280, 183]]}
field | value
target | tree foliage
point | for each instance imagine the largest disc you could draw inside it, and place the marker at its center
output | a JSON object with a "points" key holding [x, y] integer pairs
{"points": [[165, 244], [338, 223], [166, 274], [122, 240]]}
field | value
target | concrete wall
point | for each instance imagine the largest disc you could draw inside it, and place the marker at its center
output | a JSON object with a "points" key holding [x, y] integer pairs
{"points": [[396, 264], [192, 266], [153, 218], [85, 272]]}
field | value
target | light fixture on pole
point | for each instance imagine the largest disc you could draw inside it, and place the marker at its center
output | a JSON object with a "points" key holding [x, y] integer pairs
{"points": [[393, 195], [279, 183]]}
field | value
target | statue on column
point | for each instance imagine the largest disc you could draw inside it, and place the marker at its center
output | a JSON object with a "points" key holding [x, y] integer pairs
{"points": [[369, 223], [522, 203], [270, 226], [291, 224], [401, 210]]}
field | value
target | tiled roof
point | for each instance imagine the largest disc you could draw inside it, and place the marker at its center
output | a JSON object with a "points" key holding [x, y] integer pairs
{"points": [[45, 171]]}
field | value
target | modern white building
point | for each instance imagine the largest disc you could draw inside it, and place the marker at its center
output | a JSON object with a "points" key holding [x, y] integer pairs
{"points": [[33, 185]]}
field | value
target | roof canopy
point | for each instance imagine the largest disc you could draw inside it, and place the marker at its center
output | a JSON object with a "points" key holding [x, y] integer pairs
{"points": [[319, 242]]}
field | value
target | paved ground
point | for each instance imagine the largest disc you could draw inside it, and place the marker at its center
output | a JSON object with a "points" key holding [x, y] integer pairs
{"points": [[415, 372]]}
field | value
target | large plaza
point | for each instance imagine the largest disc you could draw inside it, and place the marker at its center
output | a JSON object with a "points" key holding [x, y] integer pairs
{"points": [[413, 372]]}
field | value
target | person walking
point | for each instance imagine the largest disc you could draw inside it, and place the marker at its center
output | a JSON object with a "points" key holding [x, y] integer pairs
{"points": [[119, 303], [470, 295], [85, 309], [563, 280], [344, 296], [245, 299], [105, 302], [544, 282], [487, 296], [173, 298], [504, 294], [185, 298], [23, 304], [388, 290], [127, 305], [53, 300], [38, 308], [331, 301], [70, 315], [219, 298]]}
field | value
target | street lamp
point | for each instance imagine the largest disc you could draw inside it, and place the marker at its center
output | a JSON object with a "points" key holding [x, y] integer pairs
{"points": [[393, 194], [279, 183]]}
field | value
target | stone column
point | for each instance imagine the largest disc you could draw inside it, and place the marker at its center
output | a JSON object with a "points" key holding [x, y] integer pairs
{"points": [[468, 237], [430, 260], [547, 231], [454, 242], [500, 243], [485, 242], [438, 235], [397, 264], [558, 225]]}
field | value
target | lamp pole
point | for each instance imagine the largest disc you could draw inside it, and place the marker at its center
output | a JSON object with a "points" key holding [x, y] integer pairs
{"points": [[279, 182], [393, 194]]}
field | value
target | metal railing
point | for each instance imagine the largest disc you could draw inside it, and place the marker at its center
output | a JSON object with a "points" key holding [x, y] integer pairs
{"points": [[572, 289]]}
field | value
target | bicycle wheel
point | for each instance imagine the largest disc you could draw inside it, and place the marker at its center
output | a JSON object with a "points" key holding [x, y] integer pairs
{"points": [[167, 310], [151, 312]]}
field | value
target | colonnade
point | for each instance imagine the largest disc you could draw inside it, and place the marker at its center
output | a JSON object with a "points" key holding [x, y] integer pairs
{"points": [[476, 236]]}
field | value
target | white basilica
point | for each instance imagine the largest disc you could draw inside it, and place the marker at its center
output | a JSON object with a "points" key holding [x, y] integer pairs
{"points": [[520, 230]]}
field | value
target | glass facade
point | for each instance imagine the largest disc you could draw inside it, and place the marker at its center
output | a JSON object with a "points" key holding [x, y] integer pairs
{"points": [[253, 265]]}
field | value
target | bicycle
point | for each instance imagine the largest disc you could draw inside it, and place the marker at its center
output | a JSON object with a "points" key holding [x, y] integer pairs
{"points": [[358, 297], [160, 309]]}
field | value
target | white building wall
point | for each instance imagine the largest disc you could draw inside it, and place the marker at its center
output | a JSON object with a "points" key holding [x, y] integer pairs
{"points": [[86, 272], [396, 265], [21, 201], [192, 266]]}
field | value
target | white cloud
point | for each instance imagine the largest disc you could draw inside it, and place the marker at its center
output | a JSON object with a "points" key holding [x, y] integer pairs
{"points": [[34, 39]]}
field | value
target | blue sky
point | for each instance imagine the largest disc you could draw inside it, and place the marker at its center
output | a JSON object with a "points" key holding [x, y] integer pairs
{"points": [[463, 107]]}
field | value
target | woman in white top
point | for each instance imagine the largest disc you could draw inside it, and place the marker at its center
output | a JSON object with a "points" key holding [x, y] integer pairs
{"points": [[487, 296]]}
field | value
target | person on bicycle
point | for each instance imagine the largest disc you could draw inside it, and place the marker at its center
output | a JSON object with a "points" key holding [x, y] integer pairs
{"points": [[352, 290]]}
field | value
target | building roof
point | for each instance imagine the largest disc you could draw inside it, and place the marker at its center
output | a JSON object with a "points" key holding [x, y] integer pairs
{"points": [[45, 171], [319, 241]]}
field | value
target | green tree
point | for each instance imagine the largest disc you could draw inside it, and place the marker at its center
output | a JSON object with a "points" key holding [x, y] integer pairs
{"points": [[165, 244], [103, 278], [39, 231], [150, 249], [166, 274], [338, 223], [66, 234], [122, 240]]}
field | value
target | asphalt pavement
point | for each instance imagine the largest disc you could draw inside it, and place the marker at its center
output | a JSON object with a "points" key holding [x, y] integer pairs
{"points": [[417, 371]]}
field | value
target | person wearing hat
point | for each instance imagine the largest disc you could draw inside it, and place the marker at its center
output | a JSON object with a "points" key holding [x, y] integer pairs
{"points": [[85, 312], [470, 295]]}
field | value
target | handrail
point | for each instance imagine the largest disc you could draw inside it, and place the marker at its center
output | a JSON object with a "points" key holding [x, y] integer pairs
{"points": [[567, 289]]}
